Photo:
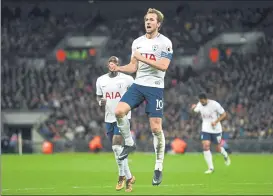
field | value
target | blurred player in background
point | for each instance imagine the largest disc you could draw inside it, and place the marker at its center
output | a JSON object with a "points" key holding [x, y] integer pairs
{"points": [[212, 114], [110, 88], [151, 56]]}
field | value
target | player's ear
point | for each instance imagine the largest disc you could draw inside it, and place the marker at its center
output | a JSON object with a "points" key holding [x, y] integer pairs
{"points": [[158, 24]]}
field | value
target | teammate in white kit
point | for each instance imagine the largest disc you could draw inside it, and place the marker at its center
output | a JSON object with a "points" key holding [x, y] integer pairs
{"points": [[212, 114], [110, 88], [151, 56]]}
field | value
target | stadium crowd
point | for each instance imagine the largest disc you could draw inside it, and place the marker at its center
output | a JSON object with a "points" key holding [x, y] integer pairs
{"points": [[243, 84], [35, 33]]}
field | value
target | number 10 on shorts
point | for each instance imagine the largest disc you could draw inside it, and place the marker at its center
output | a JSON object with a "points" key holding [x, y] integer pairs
{"points": [[159, 104]]}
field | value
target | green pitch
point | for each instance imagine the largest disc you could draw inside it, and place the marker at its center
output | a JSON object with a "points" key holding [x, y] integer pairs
{"points": [[97, 174]]}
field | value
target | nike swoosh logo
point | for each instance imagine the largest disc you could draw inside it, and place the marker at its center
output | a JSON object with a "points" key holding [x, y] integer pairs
{"points": [[121, 157], [103, 86], [138, 47]]}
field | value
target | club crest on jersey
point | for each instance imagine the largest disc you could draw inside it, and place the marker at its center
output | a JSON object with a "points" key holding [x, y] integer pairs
{"points": [[155, 47]]}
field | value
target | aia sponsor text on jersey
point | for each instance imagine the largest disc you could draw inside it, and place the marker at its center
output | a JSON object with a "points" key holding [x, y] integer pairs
{"points": [[207, 116], [149, 56], [112, 95]]}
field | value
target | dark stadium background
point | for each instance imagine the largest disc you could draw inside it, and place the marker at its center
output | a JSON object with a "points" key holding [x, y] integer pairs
{"points": [[53, 52]]}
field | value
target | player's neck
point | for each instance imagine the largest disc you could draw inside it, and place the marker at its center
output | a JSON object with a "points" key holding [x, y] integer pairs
{"points": [[152, 35], [112, 74]]}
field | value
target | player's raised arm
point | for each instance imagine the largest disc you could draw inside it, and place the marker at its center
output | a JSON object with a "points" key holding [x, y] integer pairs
{"points": [[129, 68], [165, 58], [195, 108]]}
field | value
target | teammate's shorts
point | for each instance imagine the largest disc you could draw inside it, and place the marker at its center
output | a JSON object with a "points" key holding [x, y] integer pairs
{"points": [[136, 94], [213, 137], [111, 130]]}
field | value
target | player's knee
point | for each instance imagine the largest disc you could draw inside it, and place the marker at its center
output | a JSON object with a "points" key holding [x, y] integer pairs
{"points": [[218, 148], [156, 125], [117, 140], [121, 110], [156, 129], [206, 146]]}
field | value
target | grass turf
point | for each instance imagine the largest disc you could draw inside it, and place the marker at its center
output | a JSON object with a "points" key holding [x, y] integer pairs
{"points": [[75, 174]]}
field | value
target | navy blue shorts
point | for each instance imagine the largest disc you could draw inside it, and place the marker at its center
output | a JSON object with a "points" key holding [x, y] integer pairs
{"points": [[111, 130], [136, 94], [213, 137]]}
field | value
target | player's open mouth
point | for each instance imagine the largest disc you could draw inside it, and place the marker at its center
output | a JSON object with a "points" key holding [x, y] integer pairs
{"points": [[148, 27]]}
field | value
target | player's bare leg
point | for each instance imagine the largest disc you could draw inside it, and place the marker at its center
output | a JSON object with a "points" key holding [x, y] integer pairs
{"points": [[124, 127], [220, 148], [117, 148], [159, 146], [208, 156]]}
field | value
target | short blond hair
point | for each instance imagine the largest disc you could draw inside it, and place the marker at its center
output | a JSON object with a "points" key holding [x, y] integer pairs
{"points": [[160, 16]]}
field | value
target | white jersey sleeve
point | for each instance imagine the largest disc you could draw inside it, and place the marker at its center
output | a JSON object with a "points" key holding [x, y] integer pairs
{"points": [[219, 108], [167, 49], [130, 81], [98, 87], [134, 48]]}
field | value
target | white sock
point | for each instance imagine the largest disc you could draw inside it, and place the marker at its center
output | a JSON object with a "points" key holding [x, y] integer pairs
{"points": [[124, 127], [224, 152], [159, 146], [208, 158], [117, 150], [127, 171]]}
